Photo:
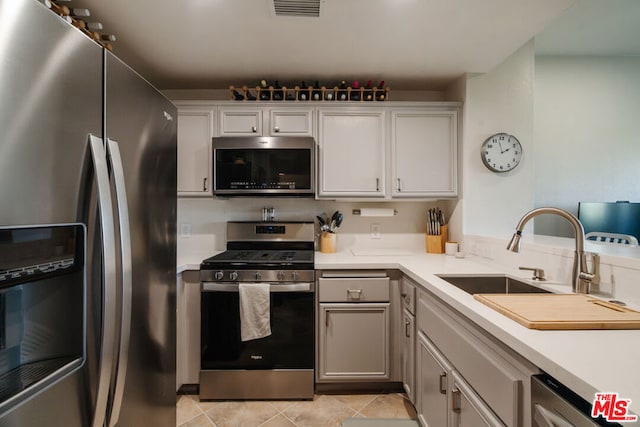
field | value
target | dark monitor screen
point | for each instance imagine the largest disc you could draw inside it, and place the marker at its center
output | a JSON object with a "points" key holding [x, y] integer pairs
{"points": [[614, 217]]}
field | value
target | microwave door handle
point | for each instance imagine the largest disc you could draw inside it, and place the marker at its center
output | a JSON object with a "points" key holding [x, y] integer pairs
{"points": [[122, 208], [105, 367]]}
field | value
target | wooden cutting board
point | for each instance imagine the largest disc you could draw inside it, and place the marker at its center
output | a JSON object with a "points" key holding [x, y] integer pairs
{"points": [[561, 311]]}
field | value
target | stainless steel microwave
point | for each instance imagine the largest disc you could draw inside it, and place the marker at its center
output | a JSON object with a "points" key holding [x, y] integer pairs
{"points": [[264, 166]]}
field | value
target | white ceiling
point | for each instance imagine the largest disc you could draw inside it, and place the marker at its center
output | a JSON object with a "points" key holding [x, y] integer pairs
{"points": [[420, 44]]}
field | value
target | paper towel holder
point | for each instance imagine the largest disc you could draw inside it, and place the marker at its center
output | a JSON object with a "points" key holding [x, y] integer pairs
{"points": [[357, 212]]}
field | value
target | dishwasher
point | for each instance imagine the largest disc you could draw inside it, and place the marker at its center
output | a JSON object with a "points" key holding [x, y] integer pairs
{"points": [[555, 405]]}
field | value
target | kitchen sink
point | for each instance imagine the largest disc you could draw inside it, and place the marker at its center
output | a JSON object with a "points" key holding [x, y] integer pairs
{"points": [[491, 285]]}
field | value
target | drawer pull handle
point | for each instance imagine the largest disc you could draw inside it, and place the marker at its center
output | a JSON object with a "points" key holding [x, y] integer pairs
{"points": [[456, 400], [407, 330], [358, 293], [443, 383]]}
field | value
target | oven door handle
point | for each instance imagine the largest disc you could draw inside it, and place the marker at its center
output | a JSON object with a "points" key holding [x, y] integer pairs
{"points": [[233, 287]]}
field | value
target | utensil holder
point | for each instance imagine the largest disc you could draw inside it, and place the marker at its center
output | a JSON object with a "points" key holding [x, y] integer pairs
{"points": [[328, 242], [436, 244]]}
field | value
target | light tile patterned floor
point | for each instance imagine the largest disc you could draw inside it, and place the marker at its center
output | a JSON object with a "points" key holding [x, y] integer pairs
{"points": [[325, 410]]}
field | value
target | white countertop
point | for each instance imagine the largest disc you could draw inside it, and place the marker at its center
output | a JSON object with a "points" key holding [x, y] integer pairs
{"points": [[586, 361]]}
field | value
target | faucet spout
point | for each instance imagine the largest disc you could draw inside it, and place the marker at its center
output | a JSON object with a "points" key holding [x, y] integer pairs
{"points": [[581, 277]]}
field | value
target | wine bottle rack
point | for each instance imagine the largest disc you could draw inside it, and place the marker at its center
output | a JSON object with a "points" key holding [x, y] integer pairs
{"points": [[299, 94], [65, 13]]}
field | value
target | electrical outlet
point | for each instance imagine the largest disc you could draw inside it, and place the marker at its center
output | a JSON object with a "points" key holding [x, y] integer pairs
{"points": [[185, 230], [375, 231]]}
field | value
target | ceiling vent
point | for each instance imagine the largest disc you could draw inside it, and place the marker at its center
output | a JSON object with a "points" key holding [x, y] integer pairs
{"points": [[308, 8]]}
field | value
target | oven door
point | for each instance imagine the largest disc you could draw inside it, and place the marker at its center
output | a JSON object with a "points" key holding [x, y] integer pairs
{"points": [[290, 345]]}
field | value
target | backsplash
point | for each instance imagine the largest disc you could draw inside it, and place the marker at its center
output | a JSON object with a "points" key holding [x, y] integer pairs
{"points": [[205, 220]]}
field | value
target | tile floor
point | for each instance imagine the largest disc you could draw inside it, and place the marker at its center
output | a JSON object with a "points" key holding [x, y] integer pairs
{"points": [[325, 410]]}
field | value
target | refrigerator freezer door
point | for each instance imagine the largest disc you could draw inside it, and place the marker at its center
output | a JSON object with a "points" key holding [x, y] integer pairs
{"points": [[143, 123], [51, 100]]}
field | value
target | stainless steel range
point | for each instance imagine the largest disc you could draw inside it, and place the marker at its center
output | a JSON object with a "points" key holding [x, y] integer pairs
{"points": [[281, 364]]}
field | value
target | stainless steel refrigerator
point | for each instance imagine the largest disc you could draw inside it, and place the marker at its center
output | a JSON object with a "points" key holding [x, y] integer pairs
{"points": [[87, 231]]}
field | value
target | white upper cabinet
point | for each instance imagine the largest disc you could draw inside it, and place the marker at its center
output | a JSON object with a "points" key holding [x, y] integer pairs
{"points": [[195, 130], [291, 122], [240, 121], [267, 121], [351, 147], [424, 153]]}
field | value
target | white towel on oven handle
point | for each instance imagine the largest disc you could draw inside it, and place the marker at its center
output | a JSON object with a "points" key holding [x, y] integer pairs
{"points": [[255, 311]]}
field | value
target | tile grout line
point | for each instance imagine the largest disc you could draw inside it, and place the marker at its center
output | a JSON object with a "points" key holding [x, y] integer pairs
{"points": [[197, 406]]}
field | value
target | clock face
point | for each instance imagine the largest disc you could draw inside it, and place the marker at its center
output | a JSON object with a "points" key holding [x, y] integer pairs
{"points": [[501, 152]]}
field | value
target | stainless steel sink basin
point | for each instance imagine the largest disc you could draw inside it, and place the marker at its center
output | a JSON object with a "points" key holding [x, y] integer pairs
{"points": [[491, 285]]}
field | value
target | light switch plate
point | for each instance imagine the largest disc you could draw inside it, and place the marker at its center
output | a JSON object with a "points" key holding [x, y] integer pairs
{"points": [[375, 231], [185, 230]]}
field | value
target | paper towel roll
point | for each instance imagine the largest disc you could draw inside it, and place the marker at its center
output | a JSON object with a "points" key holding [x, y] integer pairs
{"points": [[376, 212]]}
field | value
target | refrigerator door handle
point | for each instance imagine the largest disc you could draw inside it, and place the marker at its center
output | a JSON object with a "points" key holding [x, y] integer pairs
{"points": [[99, 159], [113, 151]]}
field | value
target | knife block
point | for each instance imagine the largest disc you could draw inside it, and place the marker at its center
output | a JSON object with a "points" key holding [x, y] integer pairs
{"points": [[435, 244]]}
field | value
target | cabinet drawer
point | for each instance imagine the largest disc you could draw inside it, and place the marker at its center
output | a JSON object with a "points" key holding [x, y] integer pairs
{"points": [[353, 289], [408, 294], [490, 374]]}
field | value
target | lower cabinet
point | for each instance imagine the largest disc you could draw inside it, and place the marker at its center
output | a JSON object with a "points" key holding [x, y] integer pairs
{"points": [[354, 341], [353, 327], [408, 354], [433, 391], [467, 408], [464, 376], [188, 328]]}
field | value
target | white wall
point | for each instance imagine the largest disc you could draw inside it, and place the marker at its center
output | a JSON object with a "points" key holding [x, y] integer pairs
{"points": [[498, 101], [587, 111]]}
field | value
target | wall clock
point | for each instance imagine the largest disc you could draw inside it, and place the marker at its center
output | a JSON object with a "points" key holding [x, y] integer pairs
{"points": [[501, 152]]}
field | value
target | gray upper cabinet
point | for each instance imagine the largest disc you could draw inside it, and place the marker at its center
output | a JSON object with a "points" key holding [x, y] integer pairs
{"points": [[351, 145], [424, 153]]}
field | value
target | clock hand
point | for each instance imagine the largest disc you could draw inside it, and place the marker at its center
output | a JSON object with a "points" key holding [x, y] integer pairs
{"points": [[500, 145]]}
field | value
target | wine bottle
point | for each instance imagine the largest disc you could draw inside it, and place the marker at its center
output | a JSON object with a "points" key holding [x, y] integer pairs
{"points": [[107, 38], [317, 92], [249, 96], [329, 93], [78, 12], [368, 91], [93, 26], [381, 92], [289, 94], [278, 95], [238, 96], [342, 91], [265, 93], [303, 93], [355, 91], [60, 10]]}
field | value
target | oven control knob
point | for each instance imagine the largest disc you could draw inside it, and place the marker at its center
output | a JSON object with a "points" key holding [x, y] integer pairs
{"points": [[219, 275], [280, 275], [295, 275], [258, 275], [233, 275]]}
